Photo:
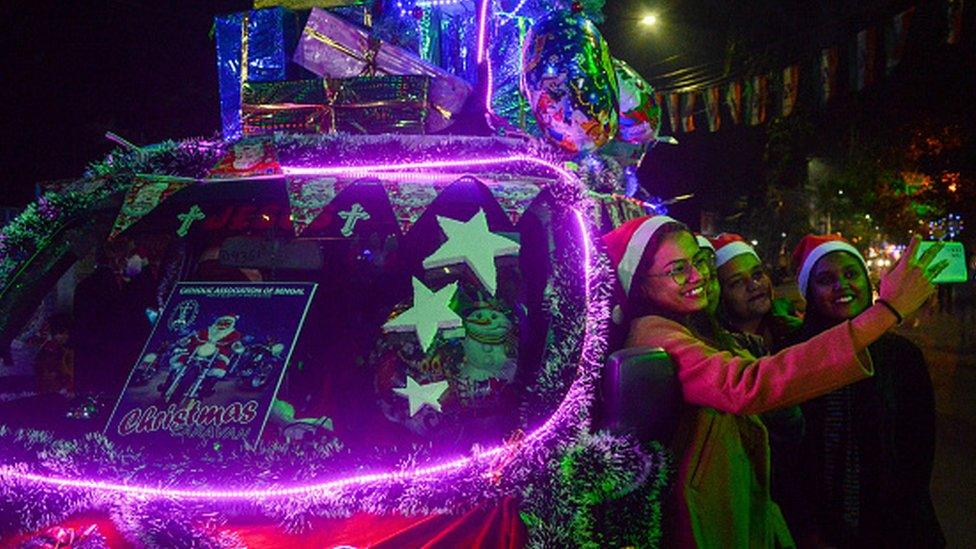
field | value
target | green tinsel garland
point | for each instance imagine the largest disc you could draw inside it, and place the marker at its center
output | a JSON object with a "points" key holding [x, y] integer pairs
{"points": [[600, 491]]}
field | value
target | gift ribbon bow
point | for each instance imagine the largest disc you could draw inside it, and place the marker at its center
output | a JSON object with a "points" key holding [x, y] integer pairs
{"points": [[367, 56]]}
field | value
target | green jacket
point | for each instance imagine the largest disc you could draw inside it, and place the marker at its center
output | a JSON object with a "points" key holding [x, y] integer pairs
{"points": [[722, 489], [721, 496]]}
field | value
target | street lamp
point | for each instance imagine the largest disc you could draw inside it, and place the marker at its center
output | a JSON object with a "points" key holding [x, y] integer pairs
{"points": [[649, 20]]}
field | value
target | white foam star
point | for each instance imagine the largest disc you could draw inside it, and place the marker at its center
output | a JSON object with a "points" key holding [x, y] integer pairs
{"points": [[420, 395], [470, 242], [430, 311]]}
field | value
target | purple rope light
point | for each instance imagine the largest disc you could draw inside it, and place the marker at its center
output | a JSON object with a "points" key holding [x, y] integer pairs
{"points": [[572, 411]]}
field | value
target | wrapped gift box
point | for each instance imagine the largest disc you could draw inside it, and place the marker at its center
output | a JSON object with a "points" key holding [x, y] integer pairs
{"points": [[457, 34], [383, 104], [332, 47], [252, 46]]}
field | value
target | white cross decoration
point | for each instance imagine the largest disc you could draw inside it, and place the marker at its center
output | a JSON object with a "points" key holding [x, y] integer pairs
{"points": [[354, 215], [187, 219]]}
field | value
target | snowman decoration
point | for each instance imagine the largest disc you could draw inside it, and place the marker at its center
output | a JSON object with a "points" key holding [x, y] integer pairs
{"points": [[488, 364]]}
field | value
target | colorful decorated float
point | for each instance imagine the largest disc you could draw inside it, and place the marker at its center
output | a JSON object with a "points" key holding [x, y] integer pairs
{"points": [[352, 320]]}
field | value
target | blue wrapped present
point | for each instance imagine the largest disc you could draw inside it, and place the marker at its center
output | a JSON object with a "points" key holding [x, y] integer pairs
{"points": [[455, 25], [252, 46]]}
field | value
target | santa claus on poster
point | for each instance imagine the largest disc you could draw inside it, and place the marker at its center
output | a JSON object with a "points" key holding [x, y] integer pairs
{"points": [[217, 344]]}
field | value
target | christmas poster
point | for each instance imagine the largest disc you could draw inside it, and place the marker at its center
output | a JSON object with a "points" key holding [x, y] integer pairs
{"points": [[213, 363], [247, 158]]}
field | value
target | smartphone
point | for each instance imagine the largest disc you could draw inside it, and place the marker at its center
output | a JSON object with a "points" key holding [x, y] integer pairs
{"points": [[954, 252]]}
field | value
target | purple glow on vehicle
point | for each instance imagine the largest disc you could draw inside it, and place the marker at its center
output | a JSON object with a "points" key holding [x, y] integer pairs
{"points": [[366, 170], [420, 177], [565, 417], [482, 29], [585, 238], [257, 493], [488, 92]]}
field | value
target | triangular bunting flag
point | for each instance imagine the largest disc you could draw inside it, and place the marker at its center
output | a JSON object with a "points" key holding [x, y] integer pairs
{"points": [[688, 101], [864, 59], [410, 200], [954, 19], [248, 158], [791, 87], [659, 98], [307, 197], [146, 192], [674, 112], [748, 99], [758, 97], [733, 99], [895, 38], [828, 73], [712, 101], [613, 208], [513, 197]]}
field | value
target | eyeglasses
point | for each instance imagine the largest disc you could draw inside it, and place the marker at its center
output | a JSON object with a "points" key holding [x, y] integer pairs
{"points": [[680, 270]]}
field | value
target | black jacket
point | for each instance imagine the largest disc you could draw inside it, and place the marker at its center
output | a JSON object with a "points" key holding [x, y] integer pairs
{"points": [[892, 429]]}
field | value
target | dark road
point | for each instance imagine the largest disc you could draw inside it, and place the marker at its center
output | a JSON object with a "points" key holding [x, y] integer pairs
{"points": [[952, 363]]}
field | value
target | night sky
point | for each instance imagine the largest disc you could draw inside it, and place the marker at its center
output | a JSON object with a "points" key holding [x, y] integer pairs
{"points": [[146, 71], [74, 70]]}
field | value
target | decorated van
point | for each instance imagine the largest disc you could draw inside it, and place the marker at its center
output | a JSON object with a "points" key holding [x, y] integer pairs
{"points": [[337, 324]]}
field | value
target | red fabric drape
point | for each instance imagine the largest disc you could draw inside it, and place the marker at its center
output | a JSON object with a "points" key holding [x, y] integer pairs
{"points": [[493, 525], [79, 523]]}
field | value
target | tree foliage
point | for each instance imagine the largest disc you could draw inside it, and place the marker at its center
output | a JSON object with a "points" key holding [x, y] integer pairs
{"points": [[890, 185]]}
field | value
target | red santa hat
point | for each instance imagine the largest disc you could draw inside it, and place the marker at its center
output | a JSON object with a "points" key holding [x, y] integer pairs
{"points": [[704, 242], [811, 248], [625, 247], [730, 245]]}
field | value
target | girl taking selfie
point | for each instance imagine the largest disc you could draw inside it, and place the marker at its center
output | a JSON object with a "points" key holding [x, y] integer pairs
{"points": [[721, 497]]}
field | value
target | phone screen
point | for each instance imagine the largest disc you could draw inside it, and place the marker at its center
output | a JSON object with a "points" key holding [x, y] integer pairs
{"points": [[954, 252]]}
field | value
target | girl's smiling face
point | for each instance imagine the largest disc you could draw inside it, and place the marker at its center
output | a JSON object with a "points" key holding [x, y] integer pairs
{"points": [[839, 288], [676, 278]]}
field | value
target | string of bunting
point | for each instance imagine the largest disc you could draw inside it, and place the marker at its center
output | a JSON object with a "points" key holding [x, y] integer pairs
{"points": [[758, 98], [618, 208], [309, 196]]}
